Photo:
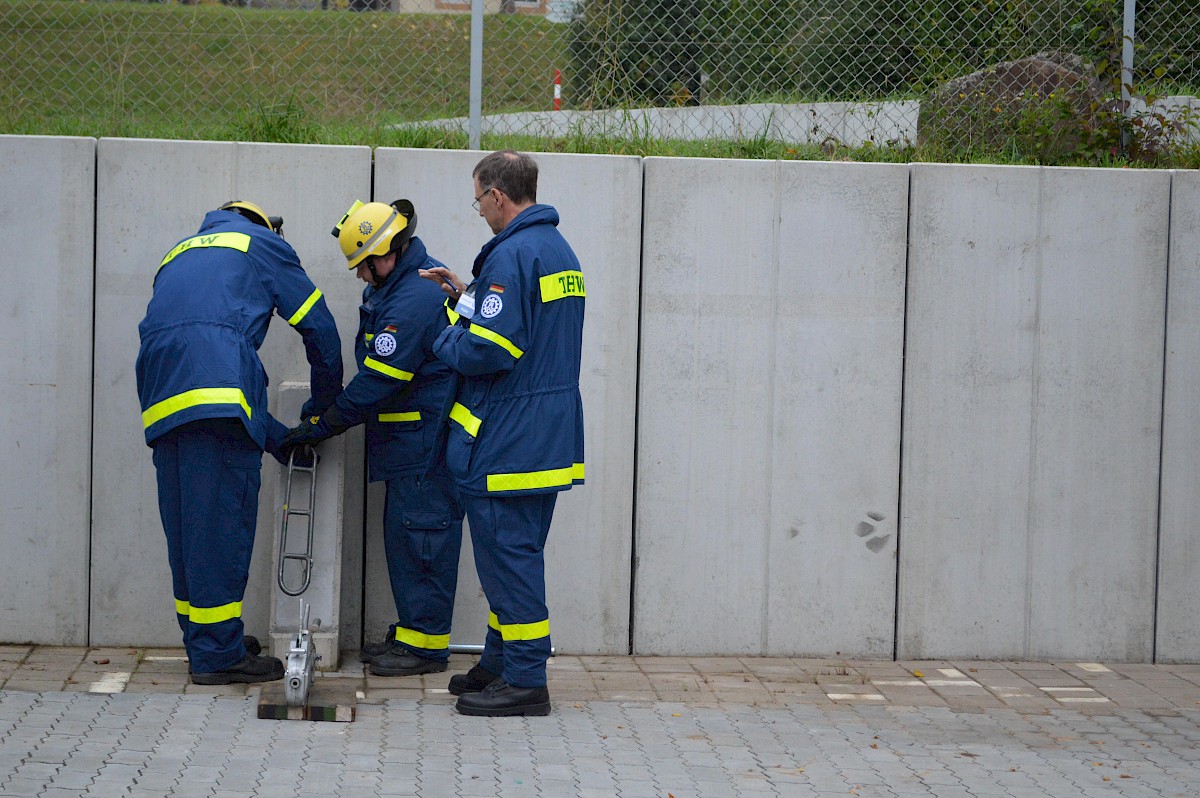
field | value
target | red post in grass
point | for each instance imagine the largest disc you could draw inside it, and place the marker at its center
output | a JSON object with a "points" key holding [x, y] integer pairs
{"points": [[557, 90]]}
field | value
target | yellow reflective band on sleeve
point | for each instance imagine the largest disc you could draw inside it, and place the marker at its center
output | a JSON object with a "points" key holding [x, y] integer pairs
{"points": [[451, 313], [464, 417], [525, 631], [238, 241], [199, 396], [182, 608], [493, 621], [421, 640], [415, 415], [497, 339], [562, 284], [535, 479], [384, 368], [226, 612], [305, 308]]}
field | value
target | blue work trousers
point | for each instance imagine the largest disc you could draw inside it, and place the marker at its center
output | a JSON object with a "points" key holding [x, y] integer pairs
{"points": [[508, 536], [422, 536], [208, 479]]}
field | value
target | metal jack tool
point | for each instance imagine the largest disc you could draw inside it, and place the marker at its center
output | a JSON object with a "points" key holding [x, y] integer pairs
{"points": [[301, 662], [301, 699]]}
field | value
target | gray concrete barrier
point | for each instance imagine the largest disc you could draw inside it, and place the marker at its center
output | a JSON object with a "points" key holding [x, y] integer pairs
{"points": [[1178, 635], [1031, 412], [47, 218], [770, 327], [588, 551], [769, 406], [150, 194]]}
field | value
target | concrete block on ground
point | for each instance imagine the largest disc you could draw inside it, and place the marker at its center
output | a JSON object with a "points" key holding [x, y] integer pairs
{"points": [[588, 551], [1032, 412], [151, 194], [47, 212], [756, 368], [1178, 638]]}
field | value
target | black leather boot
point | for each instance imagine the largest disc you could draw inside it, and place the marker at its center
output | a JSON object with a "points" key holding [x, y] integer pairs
{"points": [[472, 681], [372, 650], [499, 699], [250, 669], [399, 661]]}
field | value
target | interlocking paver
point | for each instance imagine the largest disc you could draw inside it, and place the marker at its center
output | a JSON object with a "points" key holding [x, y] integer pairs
{"points": [[733, 742]]}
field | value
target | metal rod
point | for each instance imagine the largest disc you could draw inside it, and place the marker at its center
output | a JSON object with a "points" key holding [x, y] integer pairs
{"points": [[467, 648], [1127, 33], [475, 112]]}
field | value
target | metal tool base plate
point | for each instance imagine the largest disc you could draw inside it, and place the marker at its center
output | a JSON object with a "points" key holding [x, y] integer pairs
{"points": [[326, 701]]}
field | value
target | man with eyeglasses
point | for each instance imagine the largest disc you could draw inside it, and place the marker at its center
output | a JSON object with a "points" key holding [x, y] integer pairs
{"points": [[516, 428]]}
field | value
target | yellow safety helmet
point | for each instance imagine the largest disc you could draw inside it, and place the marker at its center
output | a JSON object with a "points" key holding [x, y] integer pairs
{"points": [[373, 228], [255, 214]]}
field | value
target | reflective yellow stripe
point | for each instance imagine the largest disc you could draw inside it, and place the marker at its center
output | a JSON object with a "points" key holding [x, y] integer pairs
{"points": [[238, 241], [421, 640], [464, 416], [562, 284], [305, 308], [225, 612], [415, 415], [198, 396], [525, 631], [384, 368], [496, 338], [451, 313], [182, 608], [520, 631], [535, 479]]}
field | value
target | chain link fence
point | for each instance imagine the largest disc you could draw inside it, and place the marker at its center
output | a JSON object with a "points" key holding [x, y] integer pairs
{"points": [[959, 77]]}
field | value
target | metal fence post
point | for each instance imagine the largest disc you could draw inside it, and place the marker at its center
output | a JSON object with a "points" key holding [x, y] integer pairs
{"points": [[1127, 33], [475, 118]]}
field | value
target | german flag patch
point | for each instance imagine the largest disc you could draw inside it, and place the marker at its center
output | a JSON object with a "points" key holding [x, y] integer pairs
{"points": [[391, 328], [496, 288]]}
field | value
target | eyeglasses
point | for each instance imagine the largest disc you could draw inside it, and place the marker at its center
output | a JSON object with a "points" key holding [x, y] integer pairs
{"points": [[475, 204]]}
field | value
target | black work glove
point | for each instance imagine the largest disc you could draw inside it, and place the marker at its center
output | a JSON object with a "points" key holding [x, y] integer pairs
{"points": [[314, 429]]}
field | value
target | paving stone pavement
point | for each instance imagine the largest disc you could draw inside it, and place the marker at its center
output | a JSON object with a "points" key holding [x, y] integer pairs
{"points": [[125, 722]]}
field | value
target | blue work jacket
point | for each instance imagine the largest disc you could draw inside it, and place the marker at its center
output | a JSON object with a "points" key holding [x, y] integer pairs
{"points": [[401, 390], [214, 293], [517, 425]]}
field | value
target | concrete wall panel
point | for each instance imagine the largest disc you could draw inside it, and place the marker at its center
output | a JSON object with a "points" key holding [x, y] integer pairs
{"points": [[47, 209], [1179, 545], [839, 331], [151, 194], [1031, 412], [768, 408], [588, 552]]}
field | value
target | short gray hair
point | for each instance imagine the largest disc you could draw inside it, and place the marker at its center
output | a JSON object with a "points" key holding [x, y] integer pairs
{"points": [[514, 173]]}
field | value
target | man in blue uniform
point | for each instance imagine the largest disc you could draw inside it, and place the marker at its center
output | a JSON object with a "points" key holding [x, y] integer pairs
{"points": [[516, 432], [203, 395], [403, 394]]}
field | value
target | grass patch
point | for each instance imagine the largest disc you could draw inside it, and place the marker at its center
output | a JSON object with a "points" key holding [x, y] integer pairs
{"points": [[214, 72]]}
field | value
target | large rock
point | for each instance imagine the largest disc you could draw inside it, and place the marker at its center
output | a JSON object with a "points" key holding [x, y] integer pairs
{"points": [[1041, 106]]}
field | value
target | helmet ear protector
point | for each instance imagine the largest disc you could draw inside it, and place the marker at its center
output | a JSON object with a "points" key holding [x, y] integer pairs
{"points": [[374, 229], [255, 214]]}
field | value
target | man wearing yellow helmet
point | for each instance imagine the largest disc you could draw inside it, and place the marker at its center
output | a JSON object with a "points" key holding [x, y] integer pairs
{"points": [[203, 395], [402, 392]]}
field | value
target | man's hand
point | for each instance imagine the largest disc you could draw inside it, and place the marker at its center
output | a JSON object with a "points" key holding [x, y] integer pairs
{"points": [[310, 432], [448, 280]]}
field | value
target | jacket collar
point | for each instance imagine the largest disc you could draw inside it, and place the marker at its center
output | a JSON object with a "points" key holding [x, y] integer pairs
{"points": [[533, 215]]}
